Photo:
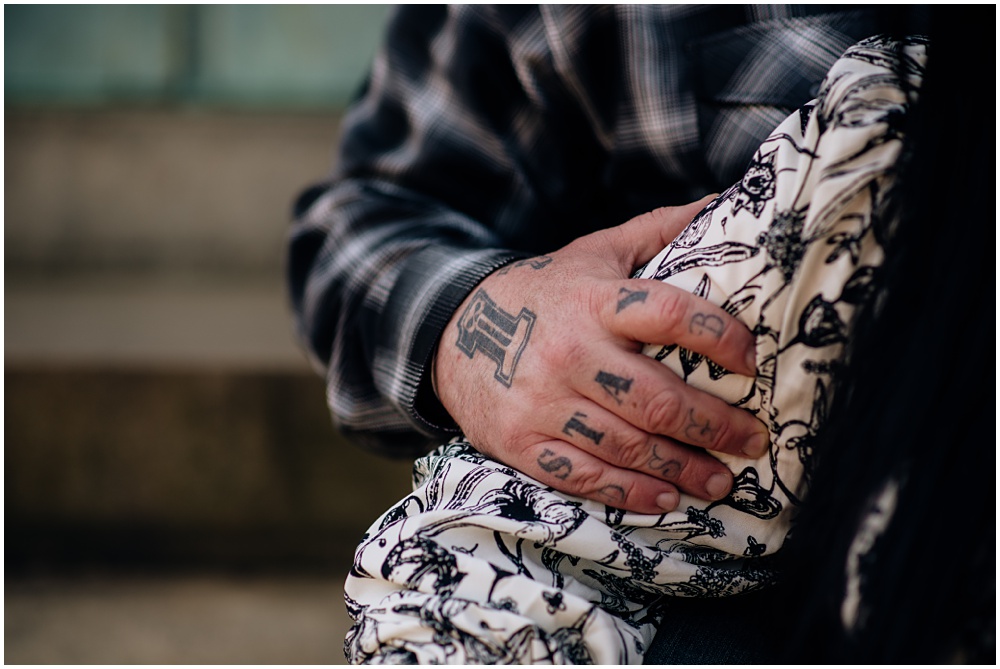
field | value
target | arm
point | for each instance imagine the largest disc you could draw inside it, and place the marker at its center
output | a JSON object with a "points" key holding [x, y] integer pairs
{"points": [[456, 163], [381, 256]]}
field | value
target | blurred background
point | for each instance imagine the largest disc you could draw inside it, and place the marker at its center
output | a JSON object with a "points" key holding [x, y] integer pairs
{"points": [[174, 490]]}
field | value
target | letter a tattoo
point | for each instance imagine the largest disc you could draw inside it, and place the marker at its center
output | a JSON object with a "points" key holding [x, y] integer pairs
{"points": [[500, 336], [613, 385]]}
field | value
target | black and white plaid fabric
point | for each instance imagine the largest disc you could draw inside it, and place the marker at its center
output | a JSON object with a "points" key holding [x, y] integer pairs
{"points": [[486, 135]]}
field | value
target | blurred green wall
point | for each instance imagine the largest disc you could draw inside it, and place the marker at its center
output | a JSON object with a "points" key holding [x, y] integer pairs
{"points": [[258, 56], [152, 154]]}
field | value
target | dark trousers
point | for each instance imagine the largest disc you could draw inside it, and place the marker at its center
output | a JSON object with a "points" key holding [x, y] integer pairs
{"points": [[725, 630]]}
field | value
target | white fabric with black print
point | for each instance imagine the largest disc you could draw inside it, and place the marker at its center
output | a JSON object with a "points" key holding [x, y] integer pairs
{"points": [[483, 564]]}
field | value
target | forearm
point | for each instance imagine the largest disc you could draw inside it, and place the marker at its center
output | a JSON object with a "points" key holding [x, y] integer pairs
{"points": [[371, 300], [382, 255]]}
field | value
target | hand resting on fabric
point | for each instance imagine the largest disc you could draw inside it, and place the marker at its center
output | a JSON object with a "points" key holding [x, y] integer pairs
{"points": [[541, 367]]}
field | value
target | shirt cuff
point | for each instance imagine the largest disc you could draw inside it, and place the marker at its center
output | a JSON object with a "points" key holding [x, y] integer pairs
{"points": [[429, 288]]}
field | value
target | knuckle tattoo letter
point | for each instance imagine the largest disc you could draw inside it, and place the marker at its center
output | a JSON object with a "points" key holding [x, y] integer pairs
{"points": [[701, 323], [613, 385], [630, 297], [500, 336], [555, 465], [668, 468], [615, 493], [576, 425], [699, 431]]}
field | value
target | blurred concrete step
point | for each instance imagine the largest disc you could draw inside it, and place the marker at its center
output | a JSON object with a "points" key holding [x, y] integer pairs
{"points": [[193, 320], [156, 188], [151, 465], [174, 619], [172, 419]]}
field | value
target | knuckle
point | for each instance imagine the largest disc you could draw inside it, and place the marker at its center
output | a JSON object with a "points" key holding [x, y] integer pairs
{"points": [[672, 308], [684, 468], [589, 480], [594, 300], [662, 414], [567, 354], [654, 217], [615, 237], [735, 335], [632, 448], [722, 437], [519, 443]]}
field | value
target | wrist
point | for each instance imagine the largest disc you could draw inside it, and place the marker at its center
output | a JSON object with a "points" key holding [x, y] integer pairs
{"points": [[434, 380]]}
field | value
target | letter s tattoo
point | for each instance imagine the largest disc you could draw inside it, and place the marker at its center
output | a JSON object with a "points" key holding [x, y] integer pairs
{"points": [[555, 464]]}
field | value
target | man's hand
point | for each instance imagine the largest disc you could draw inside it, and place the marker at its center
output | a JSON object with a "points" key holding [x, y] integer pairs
{"points": [[541, 368]]}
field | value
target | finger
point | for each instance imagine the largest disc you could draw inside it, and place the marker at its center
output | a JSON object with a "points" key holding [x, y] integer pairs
{"points": [[647, 395], [566, 468], [611, 439], [657, 313], [636, 241]]}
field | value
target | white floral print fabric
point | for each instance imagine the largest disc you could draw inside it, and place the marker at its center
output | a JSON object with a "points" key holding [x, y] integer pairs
{"points": [[483, 564]]}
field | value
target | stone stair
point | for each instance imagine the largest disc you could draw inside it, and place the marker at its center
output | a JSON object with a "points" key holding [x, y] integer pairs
{"points": [[167, 445]]}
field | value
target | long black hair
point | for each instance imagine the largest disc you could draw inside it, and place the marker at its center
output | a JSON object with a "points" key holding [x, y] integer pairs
{"points": [[912, 409]]}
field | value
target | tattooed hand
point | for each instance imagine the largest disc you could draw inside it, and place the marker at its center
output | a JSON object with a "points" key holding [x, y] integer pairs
{"points": [[541, 368]]}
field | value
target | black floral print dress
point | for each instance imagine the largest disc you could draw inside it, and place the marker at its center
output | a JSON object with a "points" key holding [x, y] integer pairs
{"points": [[483, 564]]}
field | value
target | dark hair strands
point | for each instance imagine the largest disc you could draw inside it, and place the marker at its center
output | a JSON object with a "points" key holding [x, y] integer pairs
{"points": [[911, 406]]}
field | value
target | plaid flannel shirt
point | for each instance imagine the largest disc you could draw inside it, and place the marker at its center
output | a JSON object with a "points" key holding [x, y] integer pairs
{"points": [[485, 135]]}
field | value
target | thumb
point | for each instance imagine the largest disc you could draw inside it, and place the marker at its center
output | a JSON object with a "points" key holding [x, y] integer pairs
{"points": [[639, 239]]}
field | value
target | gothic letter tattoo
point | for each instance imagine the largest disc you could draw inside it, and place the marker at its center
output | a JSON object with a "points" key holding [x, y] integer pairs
{"points": [[701, 323], [533, 263], [668, 469], [576, 424], [696, 432], [500, 336], [613, 385], [555, 465], [630, 297], [615, 493]]}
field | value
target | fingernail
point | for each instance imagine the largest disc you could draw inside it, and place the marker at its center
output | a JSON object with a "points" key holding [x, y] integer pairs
{"points": [[752, 359], [717, 485], [668, 501], [756, 446]]}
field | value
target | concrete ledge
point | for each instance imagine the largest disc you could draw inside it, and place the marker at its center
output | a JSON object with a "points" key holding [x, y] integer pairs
{"points": [[151, 320], [220, 466], [205, 618], [169, 188]]}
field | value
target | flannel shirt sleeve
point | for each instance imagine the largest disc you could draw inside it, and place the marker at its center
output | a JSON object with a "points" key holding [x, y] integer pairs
{"points": [[490, 134], [381, 256]]}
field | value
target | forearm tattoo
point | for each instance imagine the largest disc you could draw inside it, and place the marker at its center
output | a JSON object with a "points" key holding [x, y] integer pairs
{"points": [[627, 297], [574, 424], [533, 263], [702, 323], [559, 466], [699, 432], [614, 385], [500, 336]]}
